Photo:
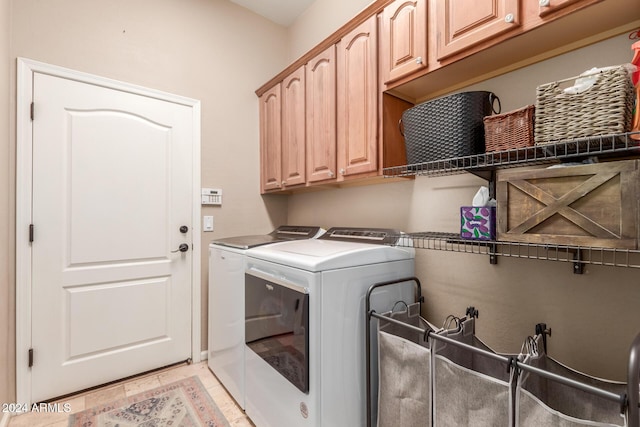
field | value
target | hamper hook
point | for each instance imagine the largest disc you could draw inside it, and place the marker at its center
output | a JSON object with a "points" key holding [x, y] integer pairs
{"points": [[529, 346], [513, 363], [533, 345], [541, 329], [400, 302], [449, 319], [425, 337], [472, 312]]}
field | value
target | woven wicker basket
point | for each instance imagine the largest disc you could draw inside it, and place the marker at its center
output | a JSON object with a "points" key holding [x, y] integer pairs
{"points": [[509, 130], [447, 127], [603, 109]]}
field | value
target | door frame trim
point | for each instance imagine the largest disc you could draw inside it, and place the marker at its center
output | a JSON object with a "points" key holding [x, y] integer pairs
{"points": [[24, 181]]}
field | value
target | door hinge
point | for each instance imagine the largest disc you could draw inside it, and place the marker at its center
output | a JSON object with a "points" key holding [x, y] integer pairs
{"points": [[30, 233], [30, 357], [32, 110]]}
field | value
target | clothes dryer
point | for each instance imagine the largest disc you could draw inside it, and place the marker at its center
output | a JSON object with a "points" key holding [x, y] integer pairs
{"points": [[226, 302], [305, 324]]}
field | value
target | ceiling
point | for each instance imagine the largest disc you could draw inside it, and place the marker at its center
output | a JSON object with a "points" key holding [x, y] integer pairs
{"points": [[283, 12]]}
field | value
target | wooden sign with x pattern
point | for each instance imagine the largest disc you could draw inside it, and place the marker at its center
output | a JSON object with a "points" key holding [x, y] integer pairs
{"points": [[587, 205]]}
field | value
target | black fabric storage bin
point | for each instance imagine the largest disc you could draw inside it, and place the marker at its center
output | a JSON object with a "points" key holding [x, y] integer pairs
{"points": [[446, 127]]}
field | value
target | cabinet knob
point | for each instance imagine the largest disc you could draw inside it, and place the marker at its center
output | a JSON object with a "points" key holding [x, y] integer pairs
{"points": [[331, 174], [509, 18], [419, 60], [544, 3], [284, 183], [342, 171]]}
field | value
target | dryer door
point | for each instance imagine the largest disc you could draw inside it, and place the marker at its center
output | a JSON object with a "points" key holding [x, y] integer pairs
{"points": [[277, 327]]}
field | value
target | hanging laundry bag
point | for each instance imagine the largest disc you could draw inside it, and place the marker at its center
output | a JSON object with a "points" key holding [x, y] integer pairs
{"points": [[404, 365], [542, 402], [469, 389]]}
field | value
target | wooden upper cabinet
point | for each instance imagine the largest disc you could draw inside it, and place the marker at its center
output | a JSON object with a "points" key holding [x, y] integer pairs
{"points": [[293, 129], [548, 7], [465, 23], [357, 63], [403, 38], [321, 116], [270, 139]]}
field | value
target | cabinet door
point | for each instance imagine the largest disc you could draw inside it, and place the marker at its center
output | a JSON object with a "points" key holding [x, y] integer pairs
{"points": [[403, 38], [293, 129], [320, 78], [547, 7], [270, 139], [466, 23], [357, 100]]}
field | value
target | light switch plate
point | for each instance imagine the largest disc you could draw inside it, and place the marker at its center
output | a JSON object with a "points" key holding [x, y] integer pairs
{"points": [[207, 223]]}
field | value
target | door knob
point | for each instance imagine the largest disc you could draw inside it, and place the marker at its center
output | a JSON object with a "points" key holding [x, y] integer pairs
{"points": [[182, 248], [184, 229]]}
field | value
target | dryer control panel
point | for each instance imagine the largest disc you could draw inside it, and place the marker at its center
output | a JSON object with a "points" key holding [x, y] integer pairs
{"points": [[381, 236]]}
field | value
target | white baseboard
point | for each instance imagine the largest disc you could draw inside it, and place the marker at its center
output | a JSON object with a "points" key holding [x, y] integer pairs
{"points": [[4, 422], [203, 356]]}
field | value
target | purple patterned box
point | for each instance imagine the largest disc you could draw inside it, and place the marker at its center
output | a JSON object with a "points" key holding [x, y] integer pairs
{"points": [[478, 223]]}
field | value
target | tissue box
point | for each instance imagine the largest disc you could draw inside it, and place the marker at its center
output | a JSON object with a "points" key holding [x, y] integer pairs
{"points": [[478, 223]]}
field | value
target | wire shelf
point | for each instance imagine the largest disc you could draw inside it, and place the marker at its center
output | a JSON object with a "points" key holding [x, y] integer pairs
{"points": [[618, 145], [602, 146], [578, 255]]}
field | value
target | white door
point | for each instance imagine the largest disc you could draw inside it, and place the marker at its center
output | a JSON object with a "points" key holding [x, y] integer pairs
{"points": [[112, 186]]}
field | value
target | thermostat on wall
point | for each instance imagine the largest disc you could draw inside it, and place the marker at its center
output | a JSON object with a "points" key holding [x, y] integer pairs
{"points": [[211, 196]]}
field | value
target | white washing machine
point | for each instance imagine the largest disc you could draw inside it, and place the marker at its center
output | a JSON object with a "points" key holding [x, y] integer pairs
{"points": [[226, 302], [305, 324]]}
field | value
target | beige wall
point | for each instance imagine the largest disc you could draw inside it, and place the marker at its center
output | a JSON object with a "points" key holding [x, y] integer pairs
{"points": [[320, 19], [211, 50], [593, 317], [7, 333]]}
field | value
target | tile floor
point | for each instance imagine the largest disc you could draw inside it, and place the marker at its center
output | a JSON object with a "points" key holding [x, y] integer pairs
{"points": [[81, 401]]}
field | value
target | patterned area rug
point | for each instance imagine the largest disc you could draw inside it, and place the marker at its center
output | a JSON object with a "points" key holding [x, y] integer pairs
{"points": [[184, 403]]}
